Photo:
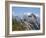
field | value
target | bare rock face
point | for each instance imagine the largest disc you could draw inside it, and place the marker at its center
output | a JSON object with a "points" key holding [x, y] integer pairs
{"points": [[32, 18], [31, 22]]}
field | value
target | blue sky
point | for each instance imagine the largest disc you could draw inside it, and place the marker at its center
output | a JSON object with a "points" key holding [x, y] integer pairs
{"points": [[19, 11]]}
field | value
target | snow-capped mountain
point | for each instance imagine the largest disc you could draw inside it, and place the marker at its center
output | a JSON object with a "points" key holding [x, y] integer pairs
{"points": [[30, 20]]}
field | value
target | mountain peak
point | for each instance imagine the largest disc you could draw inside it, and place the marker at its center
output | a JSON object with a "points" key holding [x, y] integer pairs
{"points": [[32, 15]]}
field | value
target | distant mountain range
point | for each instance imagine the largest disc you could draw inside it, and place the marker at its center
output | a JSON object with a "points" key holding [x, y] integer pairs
{"points": [[29, 19], [25, 17]]}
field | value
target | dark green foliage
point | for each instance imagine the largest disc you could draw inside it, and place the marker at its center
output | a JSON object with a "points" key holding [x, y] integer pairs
{"points": [[17, 26]]}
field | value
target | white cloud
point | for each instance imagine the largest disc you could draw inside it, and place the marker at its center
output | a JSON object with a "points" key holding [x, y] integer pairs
{"points": [[27, 13]]}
